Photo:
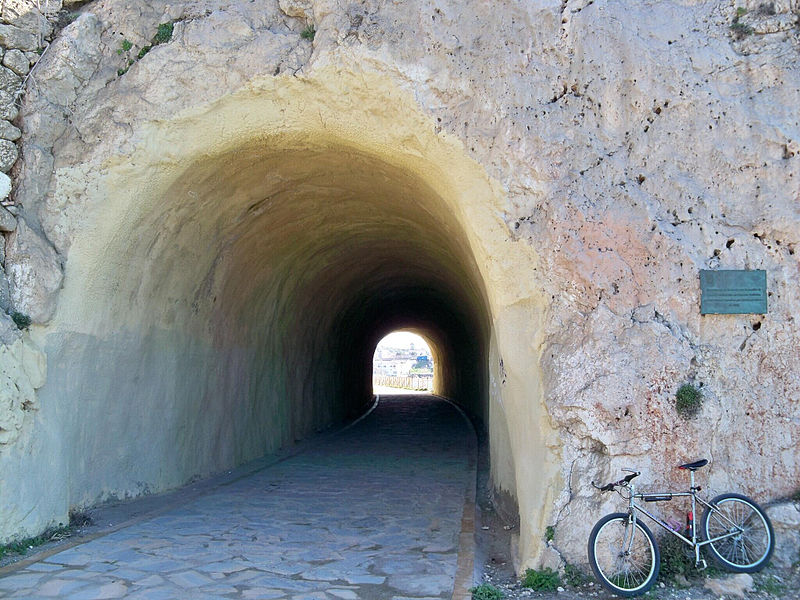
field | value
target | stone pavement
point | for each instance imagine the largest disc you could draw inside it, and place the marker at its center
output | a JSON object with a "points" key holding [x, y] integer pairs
{"points": [[373, 512]]}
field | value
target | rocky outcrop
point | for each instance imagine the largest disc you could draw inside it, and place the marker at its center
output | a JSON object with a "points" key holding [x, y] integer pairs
{"points": [[785, 517], [629, 144], [22, 371]]}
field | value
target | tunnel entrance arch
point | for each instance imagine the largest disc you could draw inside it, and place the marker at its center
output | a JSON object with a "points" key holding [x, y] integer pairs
{"points": [[228, 279]]}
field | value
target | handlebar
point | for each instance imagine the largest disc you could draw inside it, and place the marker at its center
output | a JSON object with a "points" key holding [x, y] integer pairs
{"points": [[609, 487]]}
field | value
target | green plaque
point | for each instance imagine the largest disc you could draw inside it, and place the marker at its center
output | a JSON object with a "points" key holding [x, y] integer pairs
{"points": [[729, 292]]}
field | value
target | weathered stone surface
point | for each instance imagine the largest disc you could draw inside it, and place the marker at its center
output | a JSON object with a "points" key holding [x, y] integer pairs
{"points": [[8, 155], [10, 84], [70, 60], [621, 160], [12, 36], [785, 519], [30, 259], [8, 222], [9, 131], [17, 61], [22, 371], [5, 296], [298, 8], [731, 586]]}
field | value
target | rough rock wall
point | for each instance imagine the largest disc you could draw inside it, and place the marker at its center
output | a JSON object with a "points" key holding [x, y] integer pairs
{"points": [[25, 30], [635, 142]]}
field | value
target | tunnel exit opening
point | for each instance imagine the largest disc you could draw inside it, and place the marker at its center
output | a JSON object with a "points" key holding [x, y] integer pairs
{"points": [[403, 363]]}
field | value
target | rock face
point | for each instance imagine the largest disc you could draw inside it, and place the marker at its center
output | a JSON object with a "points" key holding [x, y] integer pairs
{"points": [[785, 519], [541, 181], [733, 586], [34, 273], [22, 371]]}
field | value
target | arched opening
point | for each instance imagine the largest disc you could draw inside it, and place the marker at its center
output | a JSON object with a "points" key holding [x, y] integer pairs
{"points": [[246, 302], [233, 269], [403, 362]]}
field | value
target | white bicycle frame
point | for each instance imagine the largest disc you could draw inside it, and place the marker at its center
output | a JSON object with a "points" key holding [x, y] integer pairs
{"points": [[633, 508]]}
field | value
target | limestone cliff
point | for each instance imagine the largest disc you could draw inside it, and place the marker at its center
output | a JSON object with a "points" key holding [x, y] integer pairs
{"points": [[581, 159]]}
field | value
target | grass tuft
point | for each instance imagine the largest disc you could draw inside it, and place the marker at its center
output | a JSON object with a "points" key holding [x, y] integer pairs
{"points": [[688, 401], [308, 33], [544, 580], [164, 33], [486, 591]]}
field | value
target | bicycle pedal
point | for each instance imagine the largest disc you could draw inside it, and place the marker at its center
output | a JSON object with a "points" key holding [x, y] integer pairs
{"points": [[702, 565]]}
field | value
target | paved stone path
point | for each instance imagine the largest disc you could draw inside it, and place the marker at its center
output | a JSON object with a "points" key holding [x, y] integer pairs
{"points": [[373, 512]]}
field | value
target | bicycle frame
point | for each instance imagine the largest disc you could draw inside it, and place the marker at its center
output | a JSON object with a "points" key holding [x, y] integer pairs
{"points": [[633, 508]]}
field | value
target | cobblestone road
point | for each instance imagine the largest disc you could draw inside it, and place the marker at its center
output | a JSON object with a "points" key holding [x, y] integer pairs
{"points": [[372, 512]]}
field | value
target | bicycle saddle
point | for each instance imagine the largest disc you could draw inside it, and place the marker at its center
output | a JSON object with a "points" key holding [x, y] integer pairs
{"points": [[693, 466]]}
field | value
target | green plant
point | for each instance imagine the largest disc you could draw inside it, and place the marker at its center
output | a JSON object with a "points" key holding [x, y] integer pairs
{"points": [[126, 45], [164, 33], [677, 560], [143, 51], [738, 28], [22, 321], [308, 33], [771, 584], [545, 580], [574, 576], [688, 400], [486, 591], [549, 533], [21, 547]]}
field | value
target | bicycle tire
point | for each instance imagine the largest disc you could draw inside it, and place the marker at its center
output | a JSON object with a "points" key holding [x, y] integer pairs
{"points": [[745, 553], [622, 573]]}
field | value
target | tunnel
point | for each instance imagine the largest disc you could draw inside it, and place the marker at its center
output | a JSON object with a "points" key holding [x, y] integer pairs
{"points": [[237, 311], [229, 272]]}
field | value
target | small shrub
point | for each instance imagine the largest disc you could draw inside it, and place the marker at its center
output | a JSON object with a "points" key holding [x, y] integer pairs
{"points": [[486, 591], [545, 580], [549, 533], [143, 51], [22, 321], [164, 33], [126, 45], [308, 33], [676, 559], [688, 400]]}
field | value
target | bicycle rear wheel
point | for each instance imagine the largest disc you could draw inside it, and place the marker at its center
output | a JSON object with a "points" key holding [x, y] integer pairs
{"points": [[750, 549], [624, 558]]}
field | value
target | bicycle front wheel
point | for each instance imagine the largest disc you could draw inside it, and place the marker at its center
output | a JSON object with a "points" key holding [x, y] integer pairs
{"points": [[739, 533], [624, 557]]}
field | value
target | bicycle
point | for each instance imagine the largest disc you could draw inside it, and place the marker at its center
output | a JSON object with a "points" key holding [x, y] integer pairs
{"points": [[624, 554]]}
